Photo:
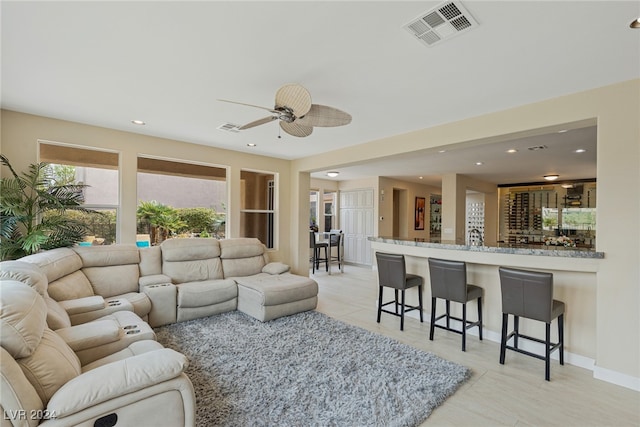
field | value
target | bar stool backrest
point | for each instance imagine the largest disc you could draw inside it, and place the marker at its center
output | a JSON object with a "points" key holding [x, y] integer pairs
{"points": [[335, 236], [391, 270], [527, 293], [448, 279], [312, 239]]}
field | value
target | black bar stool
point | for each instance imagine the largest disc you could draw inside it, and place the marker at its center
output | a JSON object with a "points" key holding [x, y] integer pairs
{"points": [[392, 273], [316, 247], [529, 294], [449, 282], [336, 240]]}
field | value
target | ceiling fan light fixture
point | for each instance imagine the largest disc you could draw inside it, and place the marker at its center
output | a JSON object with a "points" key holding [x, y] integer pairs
{"points": [[551, 177], [333, 174]]}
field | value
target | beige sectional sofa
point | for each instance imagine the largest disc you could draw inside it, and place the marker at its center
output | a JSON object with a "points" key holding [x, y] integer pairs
{"points": [[80, 342], [43, 381]]}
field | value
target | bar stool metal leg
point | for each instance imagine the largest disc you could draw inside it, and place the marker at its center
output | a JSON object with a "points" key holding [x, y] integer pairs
{"points": [[402, 312], [561, 337], [380, 302], [503, 339], [480, 317], [432, 326], [464, 327]]}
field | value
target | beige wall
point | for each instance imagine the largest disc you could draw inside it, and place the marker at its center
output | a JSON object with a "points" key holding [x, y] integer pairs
{"points": [[616, 109], [21, 133], [412, 190]]}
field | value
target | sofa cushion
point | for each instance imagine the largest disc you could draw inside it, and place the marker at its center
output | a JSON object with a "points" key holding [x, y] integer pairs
{"points": [[24, 272], [239, 267], [72, 286], [51, 365], [135, 348], [209, 292], [189, 249], [23, 318], [242, 247], [113, 280], [193, 271], [16, 391], [242, 257], [150, 261], [57, 317], [55, 263], [273, 290], [103, 256]]}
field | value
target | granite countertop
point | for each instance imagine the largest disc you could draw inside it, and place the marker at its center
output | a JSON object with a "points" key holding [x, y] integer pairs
{"points": [[499, 248]]}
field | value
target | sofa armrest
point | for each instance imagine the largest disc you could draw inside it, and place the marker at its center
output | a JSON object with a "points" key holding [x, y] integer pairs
{"points": [[82, 305], [89, 335], [116, 379], [154, 279]]}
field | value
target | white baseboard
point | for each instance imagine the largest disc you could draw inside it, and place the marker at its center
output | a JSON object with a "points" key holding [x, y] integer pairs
{"points": [[599, 373], [617, 378]]}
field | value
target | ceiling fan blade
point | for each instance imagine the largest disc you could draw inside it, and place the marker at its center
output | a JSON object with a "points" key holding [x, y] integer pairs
{"points": [[258, 122], [295, 97], [296, 129], [249, 105], [323, 116]]}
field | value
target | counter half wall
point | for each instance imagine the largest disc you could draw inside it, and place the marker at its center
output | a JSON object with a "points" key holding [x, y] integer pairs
{"points": [[575, 284]]}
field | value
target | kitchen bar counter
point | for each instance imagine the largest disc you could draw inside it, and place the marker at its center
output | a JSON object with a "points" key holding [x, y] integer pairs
{"points": [[575, 271], [499, 248]]}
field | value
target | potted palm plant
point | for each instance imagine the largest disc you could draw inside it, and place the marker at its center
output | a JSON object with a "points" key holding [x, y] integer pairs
{"points": [[25, 199]]}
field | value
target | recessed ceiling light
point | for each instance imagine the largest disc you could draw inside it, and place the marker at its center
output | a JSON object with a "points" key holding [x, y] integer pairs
{"points": [[551, 177], [512, 150], [635, 23], [251, 144], [580, 150], [420, 177], [563, 131], [442, 151], [479, 163], [333, 174], [138, 122]]}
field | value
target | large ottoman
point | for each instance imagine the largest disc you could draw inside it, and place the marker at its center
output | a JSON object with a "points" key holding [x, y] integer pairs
{"points": [[267, 297]]}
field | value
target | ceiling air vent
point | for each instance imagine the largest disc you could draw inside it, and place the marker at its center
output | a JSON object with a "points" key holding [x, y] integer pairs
{"points": [[229, 127], [442, 22]]}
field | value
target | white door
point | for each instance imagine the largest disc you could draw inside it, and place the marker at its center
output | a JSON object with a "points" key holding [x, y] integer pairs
{"points": [[356, 221]]}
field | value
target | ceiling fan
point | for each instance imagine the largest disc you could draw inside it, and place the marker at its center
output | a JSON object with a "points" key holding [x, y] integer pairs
{"points": [[297, 115]]}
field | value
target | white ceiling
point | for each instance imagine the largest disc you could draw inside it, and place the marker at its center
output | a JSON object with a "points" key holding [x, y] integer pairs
{"points": [[167, 63]]}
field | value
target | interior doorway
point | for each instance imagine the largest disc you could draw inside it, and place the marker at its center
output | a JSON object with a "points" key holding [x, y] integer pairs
{"points": [[400, 213]]}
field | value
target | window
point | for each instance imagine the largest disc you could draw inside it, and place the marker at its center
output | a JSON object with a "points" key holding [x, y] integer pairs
{"points": [[314, 209], [583, 219], [258, 206], [329, 210], [179, 199], [99, 171]]}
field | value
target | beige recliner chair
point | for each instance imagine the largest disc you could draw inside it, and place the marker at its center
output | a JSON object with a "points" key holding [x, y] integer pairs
{"points": [[42, 381], [92, 340]]}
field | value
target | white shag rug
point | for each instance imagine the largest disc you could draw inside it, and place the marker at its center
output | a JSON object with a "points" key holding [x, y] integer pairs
{"points": [[307, 370]]}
